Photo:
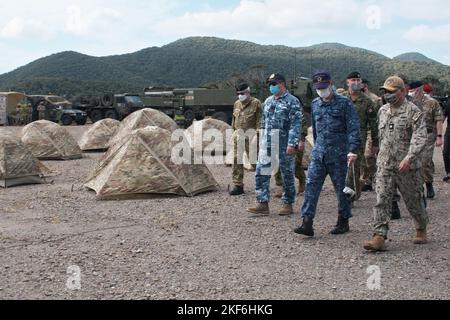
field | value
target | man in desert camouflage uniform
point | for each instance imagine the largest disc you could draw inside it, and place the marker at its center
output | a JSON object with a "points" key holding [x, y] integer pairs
{"points": [[403, 137], [367, 113], [434, 120], [246, 117]]}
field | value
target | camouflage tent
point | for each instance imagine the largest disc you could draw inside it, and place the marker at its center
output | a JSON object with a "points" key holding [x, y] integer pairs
{"points": [[98, 136], [142, 164], [49, 141], [141, 119], [199, 135], [17, 165]]}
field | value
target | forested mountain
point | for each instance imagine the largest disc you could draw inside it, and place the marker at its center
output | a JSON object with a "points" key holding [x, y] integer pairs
{"points": [[198, 61]]}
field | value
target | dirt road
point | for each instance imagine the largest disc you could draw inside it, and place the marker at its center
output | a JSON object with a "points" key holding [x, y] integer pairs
{"points": [[205, 247]]}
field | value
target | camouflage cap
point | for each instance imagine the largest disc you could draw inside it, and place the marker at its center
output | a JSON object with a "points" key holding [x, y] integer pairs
{"points": [[393, 84]]}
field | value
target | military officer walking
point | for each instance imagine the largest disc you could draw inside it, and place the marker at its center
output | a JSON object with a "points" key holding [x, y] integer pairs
{"points": [[403, 137], [434, 121], [367, 113], [281, 121], [337, 141], [246, 116]]}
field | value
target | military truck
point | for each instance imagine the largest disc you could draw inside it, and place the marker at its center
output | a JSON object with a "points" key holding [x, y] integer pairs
{"points": [[13, 107], [56, 109], [187, 105], [113, 106]]}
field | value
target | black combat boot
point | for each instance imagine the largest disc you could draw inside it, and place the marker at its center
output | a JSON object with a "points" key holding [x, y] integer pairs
{"points": [[367, 188], [341, 226], [306, 228], [395, 213], [237, 190], [430, 191]]}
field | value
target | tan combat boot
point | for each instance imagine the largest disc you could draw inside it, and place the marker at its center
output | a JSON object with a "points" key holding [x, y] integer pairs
{"points": [[260, 209], [421, 237], [376, 244], [286, 210]]}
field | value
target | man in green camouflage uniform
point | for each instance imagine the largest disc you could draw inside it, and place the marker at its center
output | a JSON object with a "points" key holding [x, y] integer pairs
{"points": [[369, 167], [434, 119], [246, 116], [367, 113], [403, 137], [299, 171]]}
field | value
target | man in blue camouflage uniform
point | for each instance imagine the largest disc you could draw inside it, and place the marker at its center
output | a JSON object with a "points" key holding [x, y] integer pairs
{"points": [[281, 125], [337, 141]]}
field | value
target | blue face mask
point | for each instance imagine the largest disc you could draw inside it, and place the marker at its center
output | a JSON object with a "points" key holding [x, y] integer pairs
{"points": [[274, 89]]}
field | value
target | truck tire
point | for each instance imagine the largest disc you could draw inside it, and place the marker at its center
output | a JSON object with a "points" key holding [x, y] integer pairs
{"points": [[108, 100], [66, 120], [221, 116], [96, 115], [94, 102], [189, 115], [82, 122], [111, 114]]}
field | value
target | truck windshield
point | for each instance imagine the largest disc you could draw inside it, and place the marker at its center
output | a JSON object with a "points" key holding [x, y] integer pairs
{"points": [[133, 99]]}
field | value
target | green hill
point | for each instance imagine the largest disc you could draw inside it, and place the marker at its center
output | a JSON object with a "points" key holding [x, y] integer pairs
{"points": [[414, 56], [200, 60]]}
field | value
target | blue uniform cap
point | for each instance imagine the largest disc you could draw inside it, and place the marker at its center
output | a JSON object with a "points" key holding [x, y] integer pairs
{"points": [[321, 80]]}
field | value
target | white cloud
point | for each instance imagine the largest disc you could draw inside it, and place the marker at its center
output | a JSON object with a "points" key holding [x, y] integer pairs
{"points": [[13, 28], [269, 18], [425, 34], [103, 27], [83, 22]]}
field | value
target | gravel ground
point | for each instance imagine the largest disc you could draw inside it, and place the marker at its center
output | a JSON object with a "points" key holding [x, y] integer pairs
{"points": [[205, 247]]}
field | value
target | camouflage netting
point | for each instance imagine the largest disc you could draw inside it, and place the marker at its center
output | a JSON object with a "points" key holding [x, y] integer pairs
{"points": [[141, 119], [202, 130], [98, 136], [141, 164], [17, 165], [49, 141]]}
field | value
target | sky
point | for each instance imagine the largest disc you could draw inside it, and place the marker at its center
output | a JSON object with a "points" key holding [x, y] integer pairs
{"points": [[33, 29]]}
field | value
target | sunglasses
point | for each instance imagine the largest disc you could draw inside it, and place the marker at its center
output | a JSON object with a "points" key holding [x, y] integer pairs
{"points": [[384, 91]]}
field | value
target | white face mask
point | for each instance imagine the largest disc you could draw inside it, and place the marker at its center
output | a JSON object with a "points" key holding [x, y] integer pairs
{"points": [[324, 93], [243, 97]]}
